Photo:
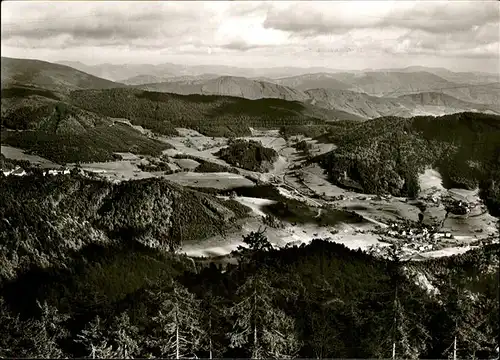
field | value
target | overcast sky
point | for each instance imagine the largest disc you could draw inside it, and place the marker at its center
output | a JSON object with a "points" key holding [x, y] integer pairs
{"points": [[460, 35]]}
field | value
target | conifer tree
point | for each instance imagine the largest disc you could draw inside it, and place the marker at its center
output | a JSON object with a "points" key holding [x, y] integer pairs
{"points": [[408, 333], [95, 340], [259, 325], [213, 317], [43, 333], [124, 336], [256, 241], [179, 331]]}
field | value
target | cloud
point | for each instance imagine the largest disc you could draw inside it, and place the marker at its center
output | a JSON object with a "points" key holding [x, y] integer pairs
{"points": [[101, 24], [246, 8], [240, 45], [278, 32], [315, 18]]}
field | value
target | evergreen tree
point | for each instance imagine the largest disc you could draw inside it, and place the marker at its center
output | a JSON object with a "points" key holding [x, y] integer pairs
{"points": [[12, 333], [124, 337], [472, 323], [95, 340], [325, 336], [255, 241], [408, 333], [34, 338], [179, 331], [213, 318], [259, 325]]}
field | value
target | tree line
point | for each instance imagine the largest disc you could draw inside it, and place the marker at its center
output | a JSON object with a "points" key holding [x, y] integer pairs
{"points": [[319, 300]]}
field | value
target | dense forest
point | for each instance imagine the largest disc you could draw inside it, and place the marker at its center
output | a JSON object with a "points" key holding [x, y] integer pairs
{"points": [[82, 126], [45, 219], [64, 133], [91, 269], [385, 155], [320, 300], [209, 114], [249, 155]]}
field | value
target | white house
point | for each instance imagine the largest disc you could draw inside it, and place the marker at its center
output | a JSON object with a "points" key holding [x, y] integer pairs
{"points": [[18, 171]]}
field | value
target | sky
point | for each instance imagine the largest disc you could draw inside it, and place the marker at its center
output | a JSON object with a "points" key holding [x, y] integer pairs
{"points": [[458, 35]]}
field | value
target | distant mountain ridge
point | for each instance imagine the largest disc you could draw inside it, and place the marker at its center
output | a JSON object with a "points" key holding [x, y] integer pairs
{"points": [[470, 87], [356, 95], [50, 76], [151, 79], [467, 77], [230, 86], [339, 98], [314, 81], [117, 72]]}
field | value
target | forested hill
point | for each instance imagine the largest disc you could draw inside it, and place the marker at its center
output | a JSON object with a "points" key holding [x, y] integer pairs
{"points": [[64, 133], [49, 76], [85, 126], [386, 154], [317, 301], [212, 115], [46, 219]]}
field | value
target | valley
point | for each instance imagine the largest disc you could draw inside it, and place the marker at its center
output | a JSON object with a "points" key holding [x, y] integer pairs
{"points": [[307, 184], [338, 202]]}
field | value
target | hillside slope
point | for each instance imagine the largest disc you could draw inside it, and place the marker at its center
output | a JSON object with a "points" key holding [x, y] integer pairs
{"points": [[385, 155], [64, 133], [48, 218], [229, 86], [210, 115], [49, 76], [363, 105], [446, 102], [313, 81]]}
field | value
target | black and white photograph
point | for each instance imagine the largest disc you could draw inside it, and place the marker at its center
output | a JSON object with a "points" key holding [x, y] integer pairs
{"points": [[250, 179]]}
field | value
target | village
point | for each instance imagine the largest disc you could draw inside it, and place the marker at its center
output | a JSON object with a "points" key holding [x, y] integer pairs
{"points": [[19, 171]]}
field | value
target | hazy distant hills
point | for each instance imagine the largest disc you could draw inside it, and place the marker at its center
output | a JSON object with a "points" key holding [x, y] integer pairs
{"points": [[392, 83], [230, 86], [314, 81], [118, 72], [232, 103], [470, 87], [151, 79], [396, 83], [363, 105], [49, 76], [369, 106], [126, 71], [353, 101], [373, 82], [456, 77], [440, 99], [143, 79]]}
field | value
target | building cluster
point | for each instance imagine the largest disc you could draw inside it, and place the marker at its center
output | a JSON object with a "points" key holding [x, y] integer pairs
{"points": [[458, 207], [414, 236], [19, 171], [62, 171]]}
